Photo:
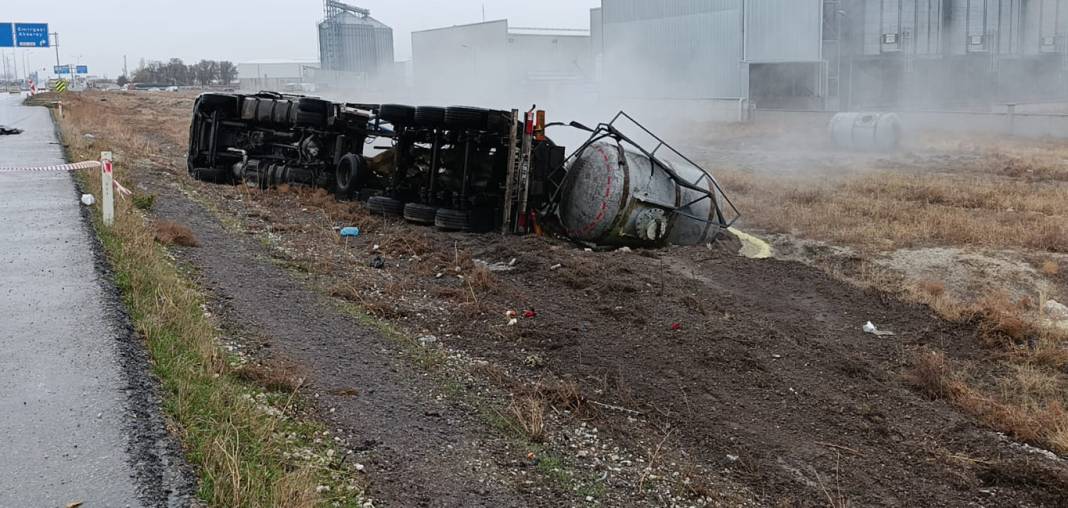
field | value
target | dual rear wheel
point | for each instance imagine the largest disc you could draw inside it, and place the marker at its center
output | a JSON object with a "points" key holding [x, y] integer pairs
{"points": [[443, 218]]}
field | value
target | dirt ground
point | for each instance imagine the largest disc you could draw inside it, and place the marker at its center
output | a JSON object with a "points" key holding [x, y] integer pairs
{"points": [[687, 376]]}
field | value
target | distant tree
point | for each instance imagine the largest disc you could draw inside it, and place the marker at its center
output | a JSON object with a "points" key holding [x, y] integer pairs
{"points": [[122, 81], [151, 72], [206, 71], [227, 72], [176, 72]]}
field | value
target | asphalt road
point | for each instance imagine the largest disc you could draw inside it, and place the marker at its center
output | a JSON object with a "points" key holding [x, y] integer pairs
{"points": [[68, 404]]}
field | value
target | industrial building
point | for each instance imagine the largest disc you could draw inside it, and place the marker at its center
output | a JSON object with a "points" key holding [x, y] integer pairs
{"points": [[282, 75], [496, 62], [835, 54], [352, 44]]}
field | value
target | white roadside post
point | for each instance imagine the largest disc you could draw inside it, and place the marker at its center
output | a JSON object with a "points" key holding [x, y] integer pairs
{"points": [[107, 179]]}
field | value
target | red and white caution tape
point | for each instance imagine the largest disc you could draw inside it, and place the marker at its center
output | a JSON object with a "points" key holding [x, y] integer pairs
{"points": [[77, 166], [59, 168]]}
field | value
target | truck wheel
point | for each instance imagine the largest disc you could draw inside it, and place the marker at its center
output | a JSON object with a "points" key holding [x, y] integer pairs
{"points": [[351, 175], [462, 117], [397, 114], [420, 213], [382, 205], [429, 116], [226, 105], [453, 220]]}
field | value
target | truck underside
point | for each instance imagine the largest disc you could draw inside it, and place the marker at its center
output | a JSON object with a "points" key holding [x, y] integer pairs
{"points": [[458, 168]]}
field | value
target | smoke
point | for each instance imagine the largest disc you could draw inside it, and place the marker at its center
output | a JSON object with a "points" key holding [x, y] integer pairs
{"points": [[694, 76]]}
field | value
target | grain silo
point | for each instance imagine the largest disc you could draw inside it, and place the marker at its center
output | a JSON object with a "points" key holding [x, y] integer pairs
{"points": [[351, 41]]}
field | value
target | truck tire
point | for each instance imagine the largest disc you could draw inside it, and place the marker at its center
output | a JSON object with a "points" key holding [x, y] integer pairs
{"points": [[419, 213], [397, 114], [453, 220], [463, 117], [224, 104], [429, 117], [382, 205], [350, 176]]}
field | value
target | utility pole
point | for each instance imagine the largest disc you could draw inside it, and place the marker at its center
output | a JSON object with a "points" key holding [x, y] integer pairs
{"points": [[56, 36], [125, 71]]}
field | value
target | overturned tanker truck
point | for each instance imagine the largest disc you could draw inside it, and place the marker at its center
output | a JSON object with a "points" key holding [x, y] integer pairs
{"points": [[463, 168]]}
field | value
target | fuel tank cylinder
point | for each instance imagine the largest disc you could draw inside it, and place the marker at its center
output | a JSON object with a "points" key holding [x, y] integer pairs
{"points": [[866, 131], [615, 196]]}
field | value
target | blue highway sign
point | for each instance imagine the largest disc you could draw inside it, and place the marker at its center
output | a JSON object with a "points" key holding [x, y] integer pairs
{"points": [[7, 35], [31, 35]]}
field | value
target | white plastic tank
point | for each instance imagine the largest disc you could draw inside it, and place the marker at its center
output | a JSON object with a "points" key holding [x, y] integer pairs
{"points": [[866, 131]]}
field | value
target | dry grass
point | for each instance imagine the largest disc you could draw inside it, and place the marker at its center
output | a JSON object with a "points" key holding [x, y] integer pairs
{"points": [[481, 278], [1031, 407], [219, 414], [1003, 322], [885, 209], [932, 288], [279, 376], [171, 233], [528, 413], [933, 294], [1050, 268]]}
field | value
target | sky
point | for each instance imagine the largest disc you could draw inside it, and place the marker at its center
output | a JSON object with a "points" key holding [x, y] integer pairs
{"points": [[98, 33]]}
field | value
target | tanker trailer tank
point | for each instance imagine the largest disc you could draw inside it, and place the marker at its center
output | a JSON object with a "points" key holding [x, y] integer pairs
{"points": [[618, 193]]}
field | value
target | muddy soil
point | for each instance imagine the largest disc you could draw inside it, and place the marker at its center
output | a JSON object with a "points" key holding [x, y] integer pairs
{"points": [[756, 368], [770, 375], [418, 448]]}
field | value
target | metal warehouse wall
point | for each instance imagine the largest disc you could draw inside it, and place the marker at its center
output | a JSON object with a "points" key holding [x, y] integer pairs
{"points": [[546, 57], [783, 31], [680, 49], [490, 64], [464, 61], [891, 26], [961, 27], [273, 70]]}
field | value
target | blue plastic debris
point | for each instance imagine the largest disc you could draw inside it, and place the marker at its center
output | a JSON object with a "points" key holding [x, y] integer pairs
{"points": [[350, 232]]}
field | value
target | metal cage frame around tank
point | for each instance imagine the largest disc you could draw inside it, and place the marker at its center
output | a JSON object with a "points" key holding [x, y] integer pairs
{"points": [[609, 130]]}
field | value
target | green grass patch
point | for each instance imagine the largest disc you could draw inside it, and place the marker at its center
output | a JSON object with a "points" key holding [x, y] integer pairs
{"points": [[250, 446]]}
